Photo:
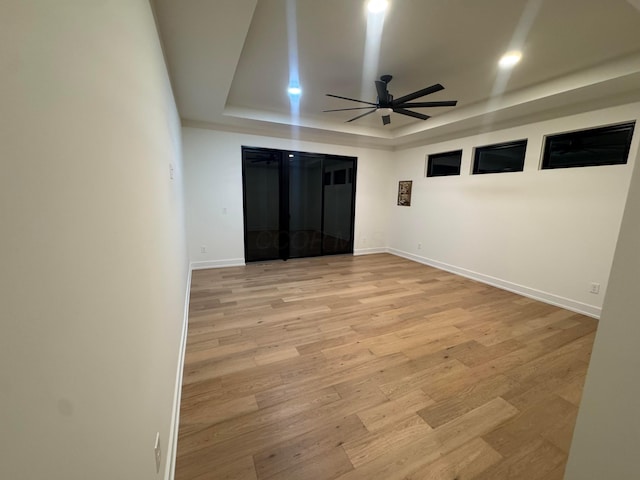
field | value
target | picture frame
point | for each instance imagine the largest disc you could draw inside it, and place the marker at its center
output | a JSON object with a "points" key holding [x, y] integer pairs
{"points": [[404, 193]]}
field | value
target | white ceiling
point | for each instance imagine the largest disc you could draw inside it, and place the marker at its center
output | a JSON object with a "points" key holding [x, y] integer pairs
{"points": [[230, 62]]}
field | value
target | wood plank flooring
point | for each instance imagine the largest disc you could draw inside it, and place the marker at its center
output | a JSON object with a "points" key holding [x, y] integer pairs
{"points": [[375, 367]]}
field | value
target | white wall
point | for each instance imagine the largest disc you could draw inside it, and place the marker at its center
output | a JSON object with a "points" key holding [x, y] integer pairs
{"points": [[546, 234], [607, 434], [92, 252], [213, 186]]}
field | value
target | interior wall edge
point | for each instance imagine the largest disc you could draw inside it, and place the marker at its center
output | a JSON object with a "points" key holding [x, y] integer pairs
{"points": [[174, 427]]}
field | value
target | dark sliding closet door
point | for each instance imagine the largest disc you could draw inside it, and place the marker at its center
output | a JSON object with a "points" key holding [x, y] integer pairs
{"points": [[305, 205], [297, 204], [262, 210], [338, 206]]}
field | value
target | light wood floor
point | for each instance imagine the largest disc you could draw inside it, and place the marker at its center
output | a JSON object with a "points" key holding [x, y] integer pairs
{"points": [[375, 367]]}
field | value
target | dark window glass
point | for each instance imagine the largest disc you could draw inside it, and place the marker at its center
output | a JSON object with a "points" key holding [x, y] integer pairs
{"points": [[588, 148], [340, 177], [443, 164], [499, 158]]}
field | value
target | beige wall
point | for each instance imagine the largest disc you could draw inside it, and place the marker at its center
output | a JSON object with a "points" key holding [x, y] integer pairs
{"points": [[93, 264]]}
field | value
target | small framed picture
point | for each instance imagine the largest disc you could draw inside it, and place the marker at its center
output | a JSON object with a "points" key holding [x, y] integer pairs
{"points": [[404, 193]]}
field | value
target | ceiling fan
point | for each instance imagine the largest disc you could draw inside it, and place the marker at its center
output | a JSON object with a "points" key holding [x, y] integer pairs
{"points": [[386, 103]]}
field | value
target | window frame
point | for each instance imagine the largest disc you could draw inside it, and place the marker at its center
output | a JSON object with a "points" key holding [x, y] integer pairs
{"points": [[495, 147], [584, 132], [435, 156]]}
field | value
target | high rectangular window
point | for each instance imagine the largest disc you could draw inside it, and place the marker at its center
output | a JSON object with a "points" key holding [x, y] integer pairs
{"points": [[443, 164], [588, 148], [500, 158]]}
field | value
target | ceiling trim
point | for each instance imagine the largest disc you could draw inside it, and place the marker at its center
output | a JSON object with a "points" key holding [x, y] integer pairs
{"points": [[611, 84]]}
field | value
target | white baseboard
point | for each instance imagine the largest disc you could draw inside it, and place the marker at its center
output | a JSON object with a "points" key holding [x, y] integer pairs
{"points": [[172, 448], [546, 297], [230, 262], [369, 251]]}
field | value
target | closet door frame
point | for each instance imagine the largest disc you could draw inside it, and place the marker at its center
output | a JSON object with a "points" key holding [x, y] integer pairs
{"points": [[284, 234]]}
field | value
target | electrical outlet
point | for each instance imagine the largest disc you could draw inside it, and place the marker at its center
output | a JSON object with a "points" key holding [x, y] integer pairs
{"points": [[420, 246], [171, 173], [157, 452], [594, 288], [203, 249], [224, 211]]}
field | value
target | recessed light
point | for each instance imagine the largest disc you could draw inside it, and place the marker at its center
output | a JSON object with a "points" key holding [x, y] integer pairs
{"points": [[509, 59], [291, 155], [377, 6], [294, 90]]}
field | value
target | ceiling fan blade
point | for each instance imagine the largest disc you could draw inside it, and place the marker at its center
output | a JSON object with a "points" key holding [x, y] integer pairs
{"points": [[351, 99], [383, 94], [420, 93], [445, 103], [360, 116], [410, 113], [386, 119], [345, 109]]}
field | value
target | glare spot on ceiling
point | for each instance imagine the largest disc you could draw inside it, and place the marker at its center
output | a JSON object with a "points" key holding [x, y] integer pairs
{"points": [[510, 59], [377, 6]]}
